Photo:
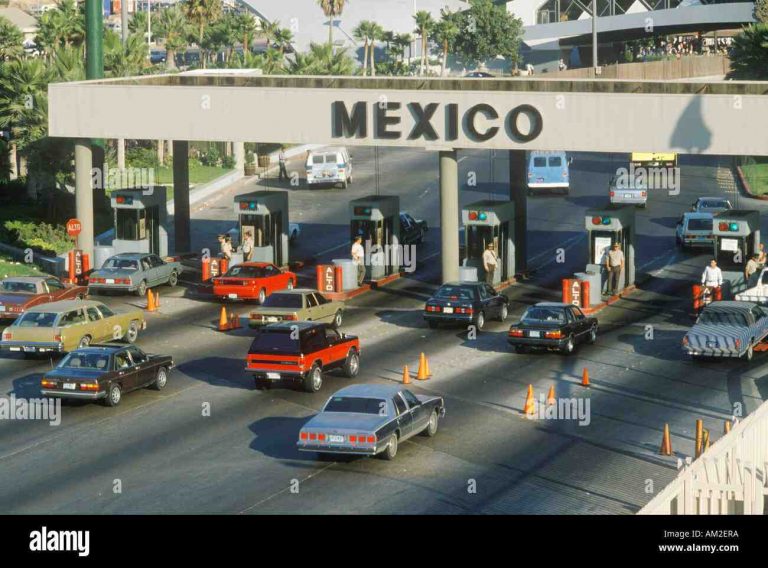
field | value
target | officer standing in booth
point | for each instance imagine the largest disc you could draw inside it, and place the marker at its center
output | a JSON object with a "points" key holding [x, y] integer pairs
{"points": [[614, 262], [248, 245], [358, 257], [490, 261]]}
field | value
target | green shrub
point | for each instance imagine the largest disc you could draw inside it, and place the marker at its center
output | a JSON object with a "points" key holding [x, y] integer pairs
{"points": [[141, 157], [39, 236], [212, 157], [228, 162]]}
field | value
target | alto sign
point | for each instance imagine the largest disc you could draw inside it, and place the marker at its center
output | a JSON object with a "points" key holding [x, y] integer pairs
{"points": [[434, 122]]}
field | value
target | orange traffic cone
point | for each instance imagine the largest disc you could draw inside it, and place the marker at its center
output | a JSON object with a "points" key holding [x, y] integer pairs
{"points": [[528, 409], [551, 396], [151, 307], [406, 376], [727, 427], [157, 299], [585, 378], [666, 442], [223, 323], [422, 373]]}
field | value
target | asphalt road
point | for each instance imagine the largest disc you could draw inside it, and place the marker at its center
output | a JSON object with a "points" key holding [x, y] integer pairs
{"points": [[210, 443]]}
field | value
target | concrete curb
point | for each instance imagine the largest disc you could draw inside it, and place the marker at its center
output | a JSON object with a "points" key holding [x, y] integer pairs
{"points": [[745, 185], [204, 191]]}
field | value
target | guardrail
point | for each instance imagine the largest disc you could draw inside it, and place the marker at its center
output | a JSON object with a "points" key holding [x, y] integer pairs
{"points": [[728, 478], [666, 69]]}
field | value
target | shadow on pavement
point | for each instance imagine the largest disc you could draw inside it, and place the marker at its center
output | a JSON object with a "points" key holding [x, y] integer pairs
{"points": [[276, 436], [219, 372]]}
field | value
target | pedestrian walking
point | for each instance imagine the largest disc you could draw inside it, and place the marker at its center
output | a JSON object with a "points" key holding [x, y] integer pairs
{"points": [[358, 258], [490, 261], [614, 262], [281, 161], [248, 245], [751, 270], [712, 277]]}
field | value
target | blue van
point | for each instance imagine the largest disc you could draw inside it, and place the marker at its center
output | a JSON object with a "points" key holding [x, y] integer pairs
{"points": [[548, 171]]}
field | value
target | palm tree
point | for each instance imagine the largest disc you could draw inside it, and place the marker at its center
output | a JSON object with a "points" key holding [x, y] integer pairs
{"points": [[124, 60], [375, 32], [282, 38], [322, 60], [68, 64], [172, 26], [138, 24], [424, 23], [331, 9], [247, 28], [202, 13], [363, 33], [401, 42], [444, 33], [11, 40]]}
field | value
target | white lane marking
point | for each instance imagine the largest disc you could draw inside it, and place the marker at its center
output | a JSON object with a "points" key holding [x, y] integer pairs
{"points": [[270, 497], [335, 247], [567, 245]]}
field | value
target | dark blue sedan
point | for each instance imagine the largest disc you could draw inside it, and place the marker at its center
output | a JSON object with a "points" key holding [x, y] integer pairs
{"points": [[465, 303]]}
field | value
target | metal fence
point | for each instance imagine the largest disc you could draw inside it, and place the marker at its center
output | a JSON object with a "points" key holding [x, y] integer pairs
{"points": [[728, 478]]}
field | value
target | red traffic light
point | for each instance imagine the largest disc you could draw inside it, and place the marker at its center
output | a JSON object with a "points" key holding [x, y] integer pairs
{"points": [[473, 215], [597, 220]]}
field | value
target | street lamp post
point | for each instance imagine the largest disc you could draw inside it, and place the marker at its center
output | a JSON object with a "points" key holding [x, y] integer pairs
{"points": [[594, 36]]}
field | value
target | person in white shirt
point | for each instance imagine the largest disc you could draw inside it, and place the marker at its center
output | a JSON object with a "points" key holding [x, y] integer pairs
{"points": [[358, 257], [712, 277], [490, 260], [248, 244]]}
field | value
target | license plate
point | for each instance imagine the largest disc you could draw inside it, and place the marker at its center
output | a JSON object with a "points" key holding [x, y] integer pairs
{"points": [[534, 334], [336, 439], [29, 349], [110, 281], [271, 319], [70, 386], [2, 308], [447, 310], [273, 376], [232, 296]]}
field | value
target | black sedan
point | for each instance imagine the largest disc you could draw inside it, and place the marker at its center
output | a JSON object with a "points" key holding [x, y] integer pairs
{"points": [[552, 325], [105, 372], [465, 303], [412, 230]]}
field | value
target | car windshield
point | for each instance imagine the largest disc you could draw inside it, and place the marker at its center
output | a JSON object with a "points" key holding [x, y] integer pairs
{"points": [[699, 224], [722, 317], [269, 341], [554, 315], [37, 319], [121, 263], [355, 404], [19, 287], [455, 293], [714, 204], [283, 301], [85, 361], [245, 272]]}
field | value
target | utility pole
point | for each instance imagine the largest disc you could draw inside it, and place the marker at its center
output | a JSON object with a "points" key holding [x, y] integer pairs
{"points": [[594, 36], [124, 20]]}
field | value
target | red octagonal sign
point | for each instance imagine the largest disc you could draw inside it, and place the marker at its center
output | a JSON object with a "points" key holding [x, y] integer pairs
{"points": [[74, 227]]}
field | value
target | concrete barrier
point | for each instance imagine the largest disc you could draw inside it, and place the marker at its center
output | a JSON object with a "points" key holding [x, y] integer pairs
{"points": [[667, 69]]}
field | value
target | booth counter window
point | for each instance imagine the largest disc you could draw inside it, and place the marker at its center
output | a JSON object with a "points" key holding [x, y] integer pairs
{"points": [[130, 224]]}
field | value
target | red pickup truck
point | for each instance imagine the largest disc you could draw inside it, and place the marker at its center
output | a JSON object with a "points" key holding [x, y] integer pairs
{"points": [[301, 352]]}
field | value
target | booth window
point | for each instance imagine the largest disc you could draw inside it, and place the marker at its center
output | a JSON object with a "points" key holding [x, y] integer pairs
{"points": [[733, 252], [130, 224]]}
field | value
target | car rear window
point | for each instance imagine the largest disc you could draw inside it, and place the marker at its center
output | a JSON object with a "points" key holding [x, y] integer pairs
{"points": [[318, 158], [552, 315], [283, 301], [85, 361], [23, 287], [455, 293], [539, 162], [245, 272], [555, 162], [275, 341], [718, 317], [121, 263], [355, 404], [699, 224], [36, 319]]}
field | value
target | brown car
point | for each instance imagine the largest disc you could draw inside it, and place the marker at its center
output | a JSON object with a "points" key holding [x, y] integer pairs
{"points": [[19, 293]]}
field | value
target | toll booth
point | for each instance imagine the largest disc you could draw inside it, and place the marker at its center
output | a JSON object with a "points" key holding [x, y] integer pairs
{"points": [[737, 237], [376, 218], [615, 223], [488, 222], [141, 221], [265, 215]]}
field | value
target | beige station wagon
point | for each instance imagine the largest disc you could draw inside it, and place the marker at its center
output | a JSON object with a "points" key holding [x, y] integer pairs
{"points": [[64, 326]]}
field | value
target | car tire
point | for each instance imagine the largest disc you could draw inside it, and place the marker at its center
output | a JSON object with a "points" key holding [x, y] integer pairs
{"points": [[114, 395], [313, 380], [261, 384], [133, 332], [173, 279], [503, 313], [262, 295], [141, 289], [569, 346], [592, 337], [352, 364], [749, 353], [432, 324], [390, 451], [344, 185], [337, 319], [161, 379], [85, 341], [480, 321], [432, 425]]}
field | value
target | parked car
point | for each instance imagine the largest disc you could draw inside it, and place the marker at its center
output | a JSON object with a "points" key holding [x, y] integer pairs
{"points": [[628, 191], [552, 325], [370, 420], [478, 75], [329, 166], [465, 303], [412, 230], [134, 272], [105, 372], [68, 325], [19, 293], [757, 293], [727, 329], [252, 281], [695, 230], [297, 305], [713, 205], [301, 352]]}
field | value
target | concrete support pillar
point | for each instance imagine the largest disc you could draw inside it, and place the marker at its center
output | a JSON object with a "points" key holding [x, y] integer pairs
{"points": [[449, 214], [99, 164], [160, 151], [170, 148], [518, 193], [181, 196], [84, 195], [121, 154], [239, 152]]}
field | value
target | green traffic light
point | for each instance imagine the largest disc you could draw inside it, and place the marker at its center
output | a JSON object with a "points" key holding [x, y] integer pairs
{"points": [[482, 216], [606, 220], [733, 227]]}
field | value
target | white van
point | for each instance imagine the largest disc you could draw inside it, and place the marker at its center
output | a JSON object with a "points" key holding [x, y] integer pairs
{"points": [[329, 165]]}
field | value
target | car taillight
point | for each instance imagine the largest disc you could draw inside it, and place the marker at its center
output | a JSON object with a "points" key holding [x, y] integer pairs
{"points": [[321, 437], [613, 193], [291, 317], [7, 336], [515, 333], [57, 338], [371, 439], [553, 334], [352, 439], [303, 435], [530, 175], [685, 340], [643, 194], [46, 384], [738, 343], [89, 386], [126, 281], [565, 174], [464, 310], [313, 436], [434, 308]]}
